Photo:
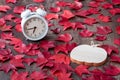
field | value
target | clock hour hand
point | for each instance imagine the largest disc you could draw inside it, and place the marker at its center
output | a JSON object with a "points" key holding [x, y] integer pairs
{"points": [[30, 28]]}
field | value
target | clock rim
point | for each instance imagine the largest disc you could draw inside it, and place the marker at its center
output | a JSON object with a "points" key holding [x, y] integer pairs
{"points": [[23, 25]]}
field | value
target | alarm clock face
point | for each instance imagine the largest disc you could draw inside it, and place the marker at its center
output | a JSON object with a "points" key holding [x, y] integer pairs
{"points": [[35, 28]]}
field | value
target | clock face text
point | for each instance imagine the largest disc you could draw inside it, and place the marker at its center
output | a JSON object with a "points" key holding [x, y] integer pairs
{"points": [[34, 27]]}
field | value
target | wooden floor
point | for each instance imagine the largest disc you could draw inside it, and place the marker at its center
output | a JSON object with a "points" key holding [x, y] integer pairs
{"points": [[76, 38]]}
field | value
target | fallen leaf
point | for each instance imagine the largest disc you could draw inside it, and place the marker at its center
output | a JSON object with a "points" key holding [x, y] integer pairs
{"points": [[18, 28], [79, 25], [110, 49], [46, 44], [9, 17], [66, 24], [38, 1], [60, 58], [104, 18], [56, 30], [5, 27], [62, 3], [117, 41], [116, 2], [118, 20], [103, 30], [82, 69], [4, 8], [94, 4], [19, 76], [61, 48], [65, 37], [11, 1], [115, 58], [67, 14], [82, 13], [86, 33], [118, 29], [2, 21], [18, 63], [107, 6], [29, 61], [92, 11], [114, 11], [100, 38], [76, 5], [38, 75], [63, 75], [112, 70], [55, 9], [7, 67], [51, 16], [90, 21], [18, 9]]}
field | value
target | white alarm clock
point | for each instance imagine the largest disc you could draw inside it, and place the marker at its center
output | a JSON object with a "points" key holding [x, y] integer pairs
{"points": [[34, 26]]}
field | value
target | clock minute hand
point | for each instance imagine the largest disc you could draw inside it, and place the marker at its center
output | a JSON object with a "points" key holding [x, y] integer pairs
{"points": [[34, 29]]}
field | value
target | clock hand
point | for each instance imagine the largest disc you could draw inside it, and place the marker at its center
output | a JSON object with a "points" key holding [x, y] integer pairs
{"points": [[34, 29], [30, 28]]}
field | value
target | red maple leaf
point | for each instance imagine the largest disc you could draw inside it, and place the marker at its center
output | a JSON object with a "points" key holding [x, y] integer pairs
{"points": [[107, 6], [66, 24], [9, 17], [2, 21], [18, 9], [82, 13], [114, 11], [29, 61], [10, 1], [37, 75], [118, 20], [4, 8], [62, 3], [110, 49], [118, 29], [103, 30], [38, 1], [19, 76], [100, 38], [63, 75], [61, 48], [55, 9], [7, 67], [5, 27], [5, 54], [79, 25], [86, 33], [67, 14], [82, 69], [46, 44], [116, 2], [90, 21], [117, 41], [6, 36], [76, 5], [115, 58], [41, 61], [2, 43], [94, 4], [112, 70], [93, 11], [60, 58], [51, 16], [18, 27], [18, 63], [65, 37], [56, 30], [104, 18]]}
